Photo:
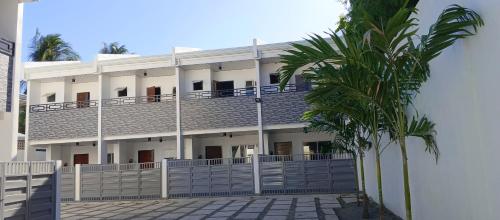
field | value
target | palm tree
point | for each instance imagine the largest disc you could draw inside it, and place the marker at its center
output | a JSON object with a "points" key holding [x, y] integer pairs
{"points": [[51, 47], [406, 68], [383, 75], [113, 48], [343, 78]]}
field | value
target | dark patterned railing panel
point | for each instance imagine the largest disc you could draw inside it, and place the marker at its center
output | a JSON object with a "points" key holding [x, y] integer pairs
{"points": [[63, 106], [249, 91], [273, 89], [138, 100], [7, 47]]}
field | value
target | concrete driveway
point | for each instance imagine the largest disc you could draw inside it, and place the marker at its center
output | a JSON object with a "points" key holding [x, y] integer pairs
{"points": [[255, 207]]}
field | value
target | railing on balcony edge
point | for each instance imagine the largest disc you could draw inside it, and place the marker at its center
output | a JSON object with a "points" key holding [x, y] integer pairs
{"points": [[274, 89], [6, 47], [138, 100], [63, 106], [249, 91]]}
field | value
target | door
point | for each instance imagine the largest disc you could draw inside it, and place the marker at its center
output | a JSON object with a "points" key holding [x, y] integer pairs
{"points": [[80, 159], [151, 92], [146, 158], [82, 99], [213, 152], [226, 88], [283, 148]]}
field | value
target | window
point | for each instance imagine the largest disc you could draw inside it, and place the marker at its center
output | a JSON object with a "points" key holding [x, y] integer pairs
{"points": [[51, 98], [174, 91], [274, 78], [122, 92], [197, 85]]}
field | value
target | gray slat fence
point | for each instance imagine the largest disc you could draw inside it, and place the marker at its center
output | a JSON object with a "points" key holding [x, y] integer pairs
{"points": [[315, 173], [210, 177], [29, 190], [120, 181]]}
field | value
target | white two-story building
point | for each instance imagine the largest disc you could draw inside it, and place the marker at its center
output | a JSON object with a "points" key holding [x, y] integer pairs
{"points": [[189, 104]]}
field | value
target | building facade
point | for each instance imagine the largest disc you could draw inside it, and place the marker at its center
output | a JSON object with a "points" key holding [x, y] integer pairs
{"points": [[11, 21], [189, 104]]}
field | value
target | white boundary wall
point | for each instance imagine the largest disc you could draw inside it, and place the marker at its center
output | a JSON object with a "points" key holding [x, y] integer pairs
{"points": [[462, 98]]}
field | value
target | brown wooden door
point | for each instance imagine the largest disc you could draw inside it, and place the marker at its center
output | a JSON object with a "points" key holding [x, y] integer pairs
{"points": [[146, 156], [80, 159], [82, 99], [283, 148], [151, 91], [213, 152]]}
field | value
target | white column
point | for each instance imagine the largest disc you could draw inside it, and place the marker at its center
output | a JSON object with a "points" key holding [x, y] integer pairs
{"points": [[116, 153], [266, 143], [77, 182], [57, 187], [256, 173], [164, 179], [258, 96], [180, 141], [48, 153], [102, 150], [27, 122], [188, 148]]}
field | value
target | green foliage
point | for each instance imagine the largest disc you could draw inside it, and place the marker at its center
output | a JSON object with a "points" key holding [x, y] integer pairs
{"points": [[113, 48], [51, 47]]}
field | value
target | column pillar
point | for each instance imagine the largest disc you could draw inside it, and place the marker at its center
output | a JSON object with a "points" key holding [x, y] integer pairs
{"points": [[180, 139], [102, 150], [266, 143], [258, 97], [27, 122]]}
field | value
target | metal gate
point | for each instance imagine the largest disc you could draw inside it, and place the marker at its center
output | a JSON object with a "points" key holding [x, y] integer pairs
{"points": [[28, 190], [210, 177], [316, 173], [68, 184], [120, 181]]}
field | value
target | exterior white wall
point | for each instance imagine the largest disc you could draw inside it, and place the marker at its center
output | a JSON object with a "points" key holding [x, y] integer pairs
{"points": [[266, 69], [225, 142], [461, 97], [121, 82], [238, 76], [48, 88], [165, 149], [297, 139], [166, 83], [92, 87], [188, 76]]}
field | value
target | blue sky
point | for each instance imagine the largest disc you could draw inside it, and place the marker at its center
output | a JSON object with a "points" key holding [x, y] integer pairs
{"points": [[150, 27]]}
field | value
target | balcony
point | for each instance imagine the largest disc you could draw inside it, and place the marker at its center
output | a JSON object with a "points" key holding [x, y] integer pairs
{"points": [[65, 120], [219, 109], [139, 115], [283, 107]]}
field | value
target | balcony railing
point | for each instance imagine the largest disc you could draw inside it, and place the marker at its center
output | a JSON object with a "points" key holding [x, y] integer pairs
{"points": [[273, 89], [63, 106], [6, 47], [249, 91], [138, 100]]}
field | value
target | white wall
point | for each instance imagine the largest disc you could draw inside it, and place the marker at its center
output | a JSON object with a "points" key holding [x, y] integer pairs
{"points": [[121, 82], [297, 139], [92, 87], [166, 83], [48, 88], [167, 148], [238, 76], [188, 76], [225, 142], [461, 97]]}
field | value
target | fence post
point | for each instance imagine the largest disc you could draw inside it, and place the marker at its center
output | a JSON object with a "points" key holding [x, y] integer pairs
{"points": [[256, 173], [77, 182], [164, 179], [57, 183], [28, 191]]}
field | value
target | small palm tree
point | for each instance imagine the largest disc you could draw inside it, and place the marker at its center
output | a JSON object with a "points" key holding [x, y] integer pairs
{"points": [[51, 47], [113, 48]]}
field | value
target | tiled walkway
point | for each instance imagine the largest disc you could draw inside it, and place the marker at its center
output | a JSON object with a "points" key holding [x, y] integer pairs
{"points": [[262, 207]]}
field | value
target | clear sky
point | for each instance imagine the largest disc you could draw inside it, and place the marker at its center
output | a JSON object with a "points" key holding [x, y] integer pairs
{"points": [[149, 27]]}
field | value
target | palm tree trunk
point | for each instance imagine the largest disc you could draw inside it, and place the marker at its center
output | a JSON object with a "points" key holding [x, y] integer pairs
{"points": [[356, 179], [379, 183], [406, 178], [365, 197]]}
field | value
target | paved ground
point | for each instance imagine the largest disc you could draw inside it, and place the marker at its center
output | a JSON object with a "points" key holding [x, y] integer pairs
{"points": [[261, 207]]}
